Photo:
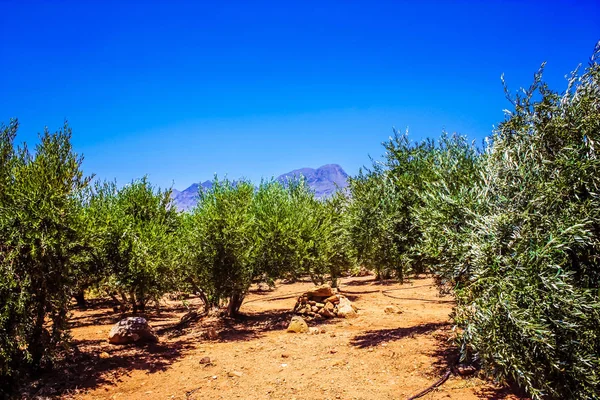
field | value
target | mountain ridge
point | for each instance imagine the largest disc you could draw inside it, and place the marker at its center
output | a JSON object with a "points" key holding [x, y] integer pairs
{"points": [[324, 181]]}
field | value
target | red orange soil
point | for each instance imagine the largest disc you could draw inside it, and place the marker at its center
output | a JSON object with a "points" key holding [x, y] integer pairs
{"points": [[374, 356]]}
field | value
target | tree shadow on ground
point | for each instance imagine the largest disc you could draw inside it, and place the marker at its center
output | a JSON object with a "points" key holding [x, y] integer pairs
{"points": [[90, 364], [109, 317], [252, 326], [377, 337], [102, 312], [447, 356]]}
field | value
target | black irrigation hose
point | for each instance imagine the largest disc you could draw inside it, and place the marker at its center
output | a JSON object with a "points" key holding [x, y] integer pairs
{"points": [[290, 295], [406, 288], [280, 297], [435, 385], [425, 300]]}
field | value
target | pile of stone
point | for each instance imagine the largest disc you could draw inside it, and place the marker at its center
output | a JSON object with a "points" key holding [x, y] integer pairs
{"points": [[324, 302]]}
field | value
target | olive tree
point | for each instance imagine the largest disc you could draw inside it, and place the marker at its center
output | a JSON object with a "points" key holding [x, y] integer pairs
{"points": [[39, 241], [131, 239], [220, 256]]}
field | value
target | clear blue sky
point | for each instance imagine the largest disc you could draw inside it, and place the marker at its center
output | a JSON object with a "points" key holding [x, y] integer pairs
{"points": [[184, 90]]}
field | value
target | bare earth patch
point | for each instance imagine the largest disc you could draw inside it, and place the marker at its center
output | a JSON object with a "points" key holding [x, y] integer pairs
{"points": [[378, 355]]}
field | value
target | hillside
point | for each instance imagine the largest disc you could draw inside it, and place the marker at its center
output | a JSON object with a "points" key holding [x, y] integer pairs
{"points": [[324, 180]]}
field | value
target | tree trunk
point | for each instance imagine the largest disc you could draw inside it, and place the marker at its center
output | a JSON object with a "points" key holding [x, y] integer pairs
{"points": [[133, 302], [200, 293], [80, 299], [235, 302], [335, 274], [36, 344]]}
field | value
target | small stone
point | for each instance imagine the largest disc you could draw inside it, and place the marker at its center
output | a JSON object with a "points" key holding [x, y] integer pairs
{"points": [[235, 374], [346, 311], [297, 325], [392, 310], [320, 305], [264, 287], [205, 360], [465, 370], [320, 291], [211, 333], [285, 355], [314, 309], [314, 331], [104, 355], [345, 308], [325, 312], [333, 299]]}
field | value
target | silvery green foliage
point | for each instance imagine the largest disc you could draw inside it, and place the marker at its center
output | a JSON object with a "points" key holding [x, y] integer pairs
{"points": [[449, 203], [530, 306]]}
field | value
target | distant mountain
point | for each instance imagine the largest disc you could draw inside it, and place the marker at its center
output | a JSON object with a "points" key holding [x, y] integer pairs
{"points": [[324, 180], [187, 198]]}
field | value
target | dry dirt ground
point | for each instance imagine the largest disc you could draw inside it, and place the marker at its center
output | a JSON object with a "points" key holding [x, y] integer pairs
{"points": [[374, 356]]}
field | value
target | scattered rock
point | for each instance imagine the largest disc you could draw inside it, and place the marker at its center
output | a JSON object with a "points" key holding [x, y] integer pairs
{"points": [[320, 291], [104, 355], [235, 374], [205, 360], [132, 330], [465, 370], [285, 355], [297, 325], [326, 313], [392, 310], [264, 287], [346, 311], [211, 334]]}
